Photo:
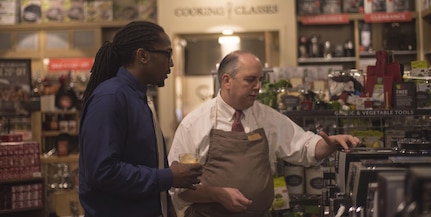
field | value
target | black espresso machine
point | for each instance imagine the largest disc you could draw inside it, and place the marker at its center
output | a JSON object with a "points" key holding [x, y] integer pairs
{"points": [[356, 171], [406, 147]]}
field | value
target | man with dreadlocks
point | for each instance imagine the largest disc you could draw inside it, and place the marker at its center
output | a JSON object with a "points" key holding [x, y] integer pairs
{"points": [[123, 170]]}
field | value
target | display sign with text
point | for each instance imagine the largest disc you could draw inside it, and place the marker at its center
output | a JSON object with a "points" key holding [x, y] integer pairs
{"points": [[70, 64], [388, 17], [15, 86], [325, 19]]}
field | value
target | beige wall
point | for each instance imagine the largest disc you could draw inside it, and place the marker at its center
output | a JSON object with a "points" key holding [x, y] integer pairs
{"points": [[238, 15]]}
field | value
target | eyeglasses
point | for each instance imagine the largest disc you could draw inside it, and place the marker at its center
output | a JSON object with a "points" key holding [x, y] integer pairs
{"points": [[167, 53]]}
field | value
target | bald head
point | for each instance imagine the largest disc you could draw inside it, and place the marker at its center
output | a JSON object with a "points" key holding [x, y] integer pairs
{"points": [[231, 62], [240, 74]]}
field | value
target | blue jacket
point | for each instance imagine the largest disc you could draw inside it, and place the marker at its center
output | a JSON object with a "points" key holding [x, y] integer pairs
{"points": [[118, 174]]}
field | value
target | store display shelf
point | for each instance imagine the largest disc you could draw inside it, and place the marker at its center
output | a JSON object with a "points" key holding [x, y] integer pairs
{"points": [[326, 60], [395, 52], [8, 211], [357, 113], [38, 177], [60, 112], [418, 78], [426, 13], [56, 133], [64, 25], [71, 158]]}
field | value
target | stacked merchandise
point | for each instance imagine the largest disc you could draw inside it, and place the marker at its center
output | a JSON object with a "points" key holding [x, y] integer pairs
{"points": [[9, 11], [21, 196], [19, 165], [314, 7], [48, 11]]}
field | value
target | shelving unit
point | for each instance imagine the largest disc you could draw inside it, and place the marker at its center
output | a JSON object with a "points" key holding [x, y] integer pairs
{"points": [[48, 129], [49, 126], [348, 26], [21, 181], [336, 122], [54, 40], [36, 210], [426, 31]]}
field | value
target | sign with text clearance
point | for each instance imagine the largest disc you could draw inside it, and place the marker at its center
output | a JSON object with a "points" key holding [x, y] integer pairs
{"points": [[325, 19], [388, 17], [70, 64]]}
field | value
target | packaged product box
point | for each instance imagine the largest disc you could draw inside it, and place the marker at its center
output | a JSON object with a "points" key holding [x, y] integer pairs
{"points": [[365, 36], [125, 9], [353, 6], [392, 136], [11, 138], [98, 10], [281, 196], [401, 5], [389, 6], [9, 11], [423, 96], [31, 11], [147, 10], [378, 6], [308, 7], [52, 11], [397, 5], [404, 94], [74, 10], [368, 6], [331, 6]]}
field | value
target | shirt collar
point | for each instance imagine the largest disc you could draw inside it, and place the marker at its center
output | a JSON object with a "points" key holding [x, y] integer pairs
{"points": [[132, 82], [228, 111]]}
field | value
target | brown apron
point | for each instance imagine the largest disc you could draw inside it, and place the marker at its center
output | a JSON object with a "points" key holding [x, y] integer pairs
{"points": [[238, 160]]}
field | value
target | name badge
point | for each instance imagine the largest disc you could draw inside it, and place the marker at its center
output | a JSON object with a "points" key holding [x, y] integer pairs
{"points": [[254, 137]]}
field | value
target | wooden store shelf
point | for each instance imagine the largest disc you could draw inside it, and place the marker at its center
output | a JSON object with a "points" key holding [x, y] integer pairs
{"points": [[426, 13], [71, 158], [325, 60], [34, 179], [9, 211], [63, 25]]}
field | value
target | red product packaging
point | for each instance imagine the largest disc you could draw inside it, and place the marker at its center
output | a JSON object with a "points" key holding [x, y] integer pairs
{"points": [[11, 138]]}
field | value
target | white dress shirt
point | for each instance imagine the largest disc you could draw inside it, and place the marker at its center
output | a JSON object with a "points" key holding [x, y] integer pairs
{"points": [[287, 140]]}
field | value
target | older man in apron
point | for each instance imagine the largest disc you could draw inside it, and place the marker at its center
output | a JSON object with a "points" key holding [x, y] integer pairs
{"points": [[239, 160], [237, 173]]}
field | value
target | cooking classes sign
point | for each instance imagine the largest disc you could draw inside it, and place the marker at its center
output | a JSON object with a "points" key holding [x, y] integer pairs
{"points": [[70, 64], [226, 9]]}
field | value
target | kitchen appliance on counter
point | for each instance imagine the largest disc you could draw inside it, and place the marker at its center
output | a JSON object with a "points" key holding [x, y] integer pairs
{"points": [[406, 149], [358, 172]]}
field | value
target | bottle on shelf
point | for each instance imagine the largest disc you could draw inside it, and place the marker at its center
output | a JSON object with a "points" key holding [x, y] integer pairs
{"points": [[365, 30]]}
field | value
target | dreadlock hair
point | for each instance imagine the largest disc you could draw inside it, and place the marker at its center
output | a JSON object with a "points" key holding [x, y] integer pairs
{"points": [[121, 51]]}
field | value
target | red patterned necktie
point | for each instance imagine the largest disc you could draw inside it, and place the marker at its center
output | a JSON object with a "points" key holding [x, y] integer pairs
{"points": [[236, 125]]}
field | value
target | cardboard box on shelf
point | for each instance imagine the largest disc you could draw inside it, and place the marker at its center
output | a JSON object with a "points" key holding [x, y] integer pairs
{"points": [[31, 11], [404, 94], [98, 10], [309, 7], [74, 10], [9, 12], [147, 10], [125, 9], [52, 11], [353, 6], [423, 96]]}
